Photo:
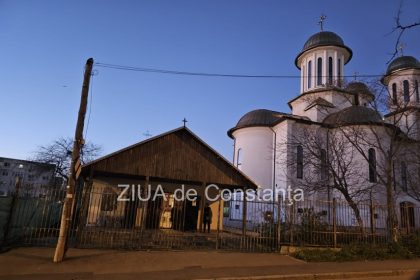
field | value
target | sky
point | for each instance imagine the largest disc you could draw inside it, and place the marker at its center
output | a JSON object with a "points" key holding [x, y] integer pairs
{"points": [[44, 46]]}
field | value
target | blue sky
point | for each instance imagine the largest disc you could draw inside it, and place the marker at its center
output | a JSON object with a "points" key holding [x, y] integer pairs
{"points": [[44, 45]]}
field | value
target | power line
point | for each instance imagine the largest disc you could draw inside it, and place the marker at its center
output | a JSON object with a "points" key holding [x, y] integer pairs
{"points": [[204, 74]]}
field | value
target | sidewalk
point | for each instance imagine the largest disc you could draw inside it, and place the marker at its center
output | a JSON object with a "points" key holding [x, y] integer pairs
{"points": [[36, 263]]}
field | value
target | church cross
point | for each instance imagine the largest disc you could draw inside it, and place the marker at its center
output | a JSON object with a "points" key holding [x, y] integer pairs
{"points": [[147, 134], [321, 21], [185, 122], [355, 75], [401, 47]]}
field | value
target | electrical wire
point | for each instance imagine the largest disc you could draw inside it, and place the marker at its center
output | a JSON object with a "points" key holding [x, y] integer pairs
{"points": [[220, 75]]}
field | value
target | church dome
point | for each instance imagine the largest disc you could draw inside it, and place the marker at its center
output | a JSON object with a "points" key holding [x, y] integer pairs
{"points": [[358, 88], [403, 62], [260, 117], [353, 115], [321, 39]]}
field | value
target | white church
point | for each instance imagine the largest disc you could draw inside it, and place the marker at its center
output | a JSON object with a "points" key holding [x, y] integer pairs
{"points": [[271, 147]]}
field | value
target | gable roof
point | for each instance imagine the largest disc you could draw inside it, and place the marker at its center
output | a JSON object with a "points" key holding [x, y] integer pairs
{"points": [[320, 102], [177, 155]]}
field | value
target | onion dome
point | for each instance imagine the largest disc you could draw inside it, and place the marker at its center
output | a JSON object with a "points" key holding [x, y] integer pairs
{"points": [[403, 62], [358, 88], [324, 38], [260, 117]]}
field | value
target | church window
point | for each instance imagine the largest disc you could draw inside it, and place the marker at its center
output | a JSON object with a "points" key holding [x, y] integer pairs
{"points": [[394, 93], [299, 162], [416, 89], [330, 70], [309, 73], [406, 89], [372, 165], [323, 164], [404, 176], [239, 158], [319, 72]]}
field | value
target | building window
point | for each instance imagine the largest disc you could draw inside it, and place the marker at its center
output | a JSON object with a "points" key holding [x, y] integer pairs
{"points": [[239, 158], [394, 93], [404, 176], [310, 74], [372, 165], [406, 89], [416, 89], [319, 72], [323, 164], [299, 162], [330, 70]]}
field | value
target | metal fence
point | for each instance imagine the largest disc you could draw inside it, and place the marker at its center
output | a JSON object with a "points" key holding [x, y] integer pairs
{"points": [[100, 221]]}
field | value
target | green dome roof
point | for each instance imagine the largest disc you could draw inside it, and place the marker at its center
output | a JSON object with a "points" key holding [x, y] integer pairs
{"points": [[403, 62]]}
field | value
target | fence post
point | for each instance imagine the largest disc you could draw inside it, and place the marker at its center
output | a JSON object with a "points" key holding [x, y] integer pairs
{"points": [[335, 222], [218, 221], [407, 217], [372, 220], [279, 224], [84, 209], [13, 203], [244, 210], [144, 205]]}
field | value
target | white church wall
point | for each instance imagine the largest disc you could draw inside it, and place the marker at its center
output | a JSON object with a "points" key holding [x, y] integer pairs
{"points": [[282, 130], [255, 145], [340, 101]]}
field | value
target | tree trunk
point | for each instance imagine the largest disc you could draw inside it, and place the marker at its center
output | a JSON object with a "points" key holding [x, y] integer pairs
{"points": [[392, 216], [356, 212]]}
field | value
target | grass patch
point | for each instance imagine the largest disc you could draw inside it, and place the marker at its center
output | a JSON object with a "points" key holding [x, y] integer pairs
{"points": [[361, 252]]}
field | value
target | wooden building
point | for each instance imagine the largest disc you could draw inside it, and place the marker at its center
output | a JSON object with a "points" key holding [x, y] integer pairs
{"points": [[174, 160]]}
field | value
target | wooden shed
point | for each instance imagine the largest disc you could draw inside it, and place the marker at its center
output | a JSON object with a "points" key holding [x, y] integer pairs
{"points": [[174, 160]]}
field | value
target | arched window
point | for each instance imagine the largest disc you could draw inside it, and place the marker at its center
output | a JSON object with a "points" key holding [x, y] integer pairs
{"points": [[372, 165], [323, 164], [309, 73], [299, 162], [319, 72], [416, 89], [406, 89], [239, 158], [330, 70], [404, 176], [394, 93]]}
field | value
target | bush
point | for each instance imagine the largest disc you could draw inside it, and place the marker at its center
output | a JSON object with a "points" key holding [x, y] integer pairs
{"points": [[355, 253]]}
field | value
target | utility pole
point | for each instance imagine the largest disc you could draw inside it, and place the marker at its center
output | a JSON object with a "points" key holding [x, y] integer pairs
{"points": [[75, 167]]}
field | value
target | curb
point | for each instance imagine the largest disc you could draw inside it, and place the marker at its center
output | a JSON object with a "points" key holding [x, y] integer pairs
{"points": [[317, 276]]}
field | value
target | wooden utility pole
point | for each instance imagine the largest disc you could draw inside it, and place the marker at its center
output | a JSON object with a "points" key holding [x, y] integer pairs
{"points": [[75, 167]]}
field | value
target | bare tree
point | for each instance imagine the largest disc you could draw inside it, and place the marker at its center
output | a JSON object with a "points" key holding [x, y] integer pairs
{"points": [[392, 139], [332, 167], [400, 29], [59, 154]]}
